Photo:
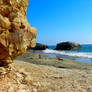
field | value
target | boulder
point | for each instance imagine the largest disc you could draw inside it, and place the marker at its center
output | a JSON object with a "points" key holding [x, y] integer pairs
{"points": [[16, 35], [67, 46], [40, 46]]}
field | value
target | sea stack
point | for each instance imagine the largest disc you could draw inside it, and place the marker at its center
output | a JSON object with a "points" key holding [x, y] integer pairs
{"points": [[67, 46], [40, 46], [16, 35]]}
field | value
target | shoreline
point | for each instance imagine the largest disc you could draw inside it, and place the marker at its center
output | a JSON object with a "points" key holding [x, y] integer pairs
{"points": [[55, 75], [41, 59], [55, 55]]}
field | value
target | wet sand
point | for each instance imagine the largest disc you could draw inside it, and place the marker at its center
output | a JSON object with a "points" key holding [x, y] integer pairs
{"points": [[40, 59]]}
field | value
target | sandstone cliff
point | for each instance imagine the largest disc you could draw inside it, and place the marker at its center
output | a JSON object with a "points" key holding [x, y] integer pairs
{"points": [[16, 35]]}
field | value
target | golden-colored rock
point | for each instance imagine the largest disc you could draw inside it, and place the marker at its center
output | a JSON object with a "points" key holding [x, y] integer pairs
{"points": [[16, 35], [34, 31]]}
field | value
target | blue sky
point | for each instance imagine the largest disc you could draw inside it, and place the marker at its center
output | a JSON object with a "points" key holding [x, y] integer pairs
{"points": [[61, 20]]}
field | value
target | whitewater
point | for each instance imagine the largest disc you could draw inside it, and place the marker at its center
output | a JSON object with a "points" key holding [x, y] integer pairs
{"points": [[69, 53]]}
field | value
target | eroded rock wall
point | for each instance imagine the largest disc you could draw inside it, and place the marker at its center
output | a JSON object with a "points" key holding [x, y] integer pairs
{"points": [[16, 35]]}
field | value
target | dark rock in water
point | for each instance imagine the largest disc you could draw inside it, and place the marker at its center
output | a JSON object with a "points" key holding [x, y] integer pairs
{"points": [[67, 46], [40, 46]]}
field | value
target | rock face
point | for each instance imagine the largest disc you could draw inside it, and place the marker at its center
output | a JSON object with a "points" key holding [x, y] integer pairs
{"points": [[16, 35], [67, 46], [40, 46]]}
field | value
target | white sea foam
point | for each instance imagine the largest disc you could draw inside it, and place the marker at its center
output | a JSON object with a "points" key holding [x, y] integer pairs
{"points": [[69, 53]]}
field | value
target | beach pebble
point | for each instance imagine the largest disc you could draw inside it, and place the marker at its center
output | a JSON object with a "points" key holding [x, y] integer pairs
{"points": [[28, 78], [21, 70], [19, 75], [34, 90], [84, 76], [89, 89], [11, 89], [2, 70]]}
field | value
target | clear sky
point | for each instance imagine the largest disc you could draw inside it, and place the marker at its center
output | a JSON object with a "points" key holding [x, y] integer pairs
{"points": [[61, 20]]}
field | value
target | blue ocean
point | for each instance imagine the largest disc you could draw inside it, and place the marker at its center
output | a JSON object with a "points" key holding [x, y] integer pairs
{"points": [[82, 55]]}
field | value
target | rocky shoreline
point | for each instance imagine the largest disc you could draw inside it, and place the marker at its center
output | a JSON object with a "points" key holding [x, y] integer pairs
{"points": [[33, 72]]}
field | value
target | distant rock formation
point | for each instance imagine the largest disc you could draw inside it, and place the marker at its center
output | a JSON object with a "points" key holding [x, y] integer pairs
{"points": [[40, 46], [16, 35], [67, 46]]}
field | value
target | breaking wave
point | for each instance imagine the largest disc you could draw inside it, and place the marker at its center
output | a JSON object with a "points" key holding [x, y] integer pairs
{"points": [[69, 53]]}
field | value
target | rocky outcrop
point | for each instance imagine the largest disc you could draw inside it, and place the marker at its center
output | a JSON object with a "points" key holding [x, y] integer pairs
{"points": [[40, 46], [14, 80], [67, 46], [16, 35]]}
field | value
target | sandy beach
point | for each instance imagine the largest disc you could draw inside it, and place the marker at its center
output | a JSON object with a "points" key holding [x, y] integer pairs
{"points": [[61, 33], [53, 75]]}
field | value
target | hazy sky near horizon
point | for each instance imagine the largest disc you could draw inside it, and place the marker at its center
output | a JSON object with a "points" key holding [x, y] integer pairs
{"points": [[61, 20]]}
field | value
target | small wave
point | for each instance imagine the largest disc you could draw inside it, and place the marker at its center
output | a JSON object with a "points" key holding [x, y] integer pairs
{"points": [[69, 53]]}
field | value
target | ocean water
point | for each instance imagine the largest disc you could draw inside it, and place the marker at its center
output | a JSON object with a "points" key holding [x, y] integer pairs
{"points": [[82, 55]]}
